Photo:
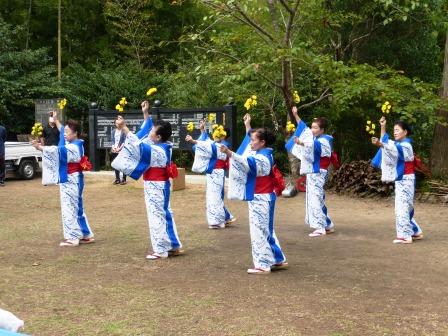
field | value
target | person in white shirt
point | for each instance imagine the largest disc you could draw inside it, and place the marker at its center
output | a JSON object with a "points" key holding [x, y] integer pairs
{"points": [[118, 137]]}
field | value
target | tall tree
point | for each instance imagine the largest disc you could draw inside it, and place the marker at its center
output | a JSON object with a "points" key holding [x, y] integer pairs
{"points": [[130, 21], [439, 150], [276, 33]]}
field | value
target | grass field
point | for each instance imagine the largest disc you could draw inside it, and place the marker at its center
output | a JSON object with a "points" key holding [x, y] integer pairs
{"points": [[354, 282]]}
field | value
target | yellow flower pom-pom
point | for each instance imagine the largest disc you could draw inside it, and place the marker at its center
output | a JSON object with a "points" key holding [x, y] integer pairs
{"points": [[386, 107], [190, 127], [370, 127], [211, 117], [296, 97], [250, 102], [151, 91]]}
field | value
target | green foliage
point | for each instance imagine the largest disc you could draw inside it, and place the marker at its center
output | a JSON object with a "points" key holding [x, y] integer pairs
{"points": [[24, 76], [357, 54]]}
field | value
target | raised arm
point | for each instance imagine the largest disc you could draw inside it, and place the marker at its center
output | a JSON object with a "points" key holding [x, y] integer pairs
{"points": [[147, 123], [246, 120], [295, 113], [145, 109], [56, 120], [383, 126]]}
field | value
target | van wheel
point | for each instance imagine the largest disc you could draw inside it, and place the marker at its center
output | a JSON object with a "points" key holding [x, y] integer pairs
{"points": [[27, 169]]}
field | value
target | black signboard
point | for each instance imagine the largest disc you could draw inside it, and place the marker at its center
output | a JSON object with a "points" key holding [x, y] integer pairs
{"points": [[105, 123], [101, 124]]}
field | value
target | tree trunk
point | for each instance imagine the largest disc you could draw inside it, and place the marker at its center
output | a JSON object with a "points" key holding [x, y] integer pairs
{"points": [[439, 150], [286, 87], [28, 24]]}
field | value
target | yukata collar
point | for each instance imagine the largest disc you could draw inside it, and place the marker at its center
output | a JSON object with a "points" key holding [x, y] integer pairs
{"points": [[408, 140], [265, 151]]}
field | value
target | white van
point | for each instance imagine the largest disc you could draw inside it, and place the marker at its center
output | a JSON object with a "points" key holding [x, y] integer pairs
{"points": [[22, 159]]}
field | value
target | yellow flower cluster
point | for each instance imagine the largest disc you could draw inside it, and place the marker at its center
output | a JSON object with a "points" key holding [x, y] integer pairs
{"points": [[120, 106], [218, 132], [370, 127], [62, 103], [151, 91], [290, 127], [296, 97], [190, 126], [250, 102], [37, 130], [386, 107], [211, 117]]}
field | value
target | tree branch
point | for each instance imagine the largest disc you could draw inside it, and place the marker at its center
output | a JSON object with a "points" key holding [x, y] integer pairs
{"points": [[252, 23], [324, 95], [290, 24], [240, 61], [243, 19], [284, 4]]}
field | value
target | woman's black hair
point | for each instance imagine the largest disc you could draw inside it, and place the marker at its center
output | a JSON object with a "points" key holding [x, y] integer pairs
{"points": [[74, 126], [404, 126], [163, 128], [266, 135], [322, 122]]}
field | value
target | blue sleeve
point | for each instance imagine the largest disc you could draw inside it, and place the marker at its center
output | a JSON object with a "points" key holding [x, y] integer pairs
{"points": [[61, 137], [376, 161], [144, 162], [145, 128], [244, 144], [204, 136], [301, 126], [317, 153]]}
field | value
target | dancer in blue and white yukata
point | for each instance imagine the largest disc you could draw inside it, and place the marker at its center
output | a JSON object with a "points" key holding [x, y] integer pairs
{"points": [[313, 148], [64, 165], [148, 153], [210, 160], [396, 160], [251, 179]]}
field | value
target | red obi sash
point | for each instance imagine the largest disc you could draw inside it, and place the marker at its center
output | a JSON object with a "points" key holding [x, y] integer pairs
{"points": [[78, 167], [156, 174], [161, 173], [264, 184], [325, 162], [409, 167], [73, 167], [222, 164]]}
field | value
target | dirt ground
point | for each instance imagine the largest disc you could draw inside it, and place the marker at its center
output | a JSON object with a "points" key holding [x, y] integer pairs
{"points": [[354, 282]]}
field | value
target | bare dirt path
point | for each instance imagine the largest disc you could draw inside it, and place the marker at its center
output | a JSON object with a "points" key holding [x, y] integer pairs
{"points": [[353, 282]]}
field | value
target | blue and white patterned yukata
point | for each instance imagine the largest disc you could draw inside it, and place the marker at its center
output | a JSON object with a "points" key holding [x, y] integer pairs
{"points": [[206, 156], [245, 166], [392, 159], [138, 156], [55, 161], [311, 154]]}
